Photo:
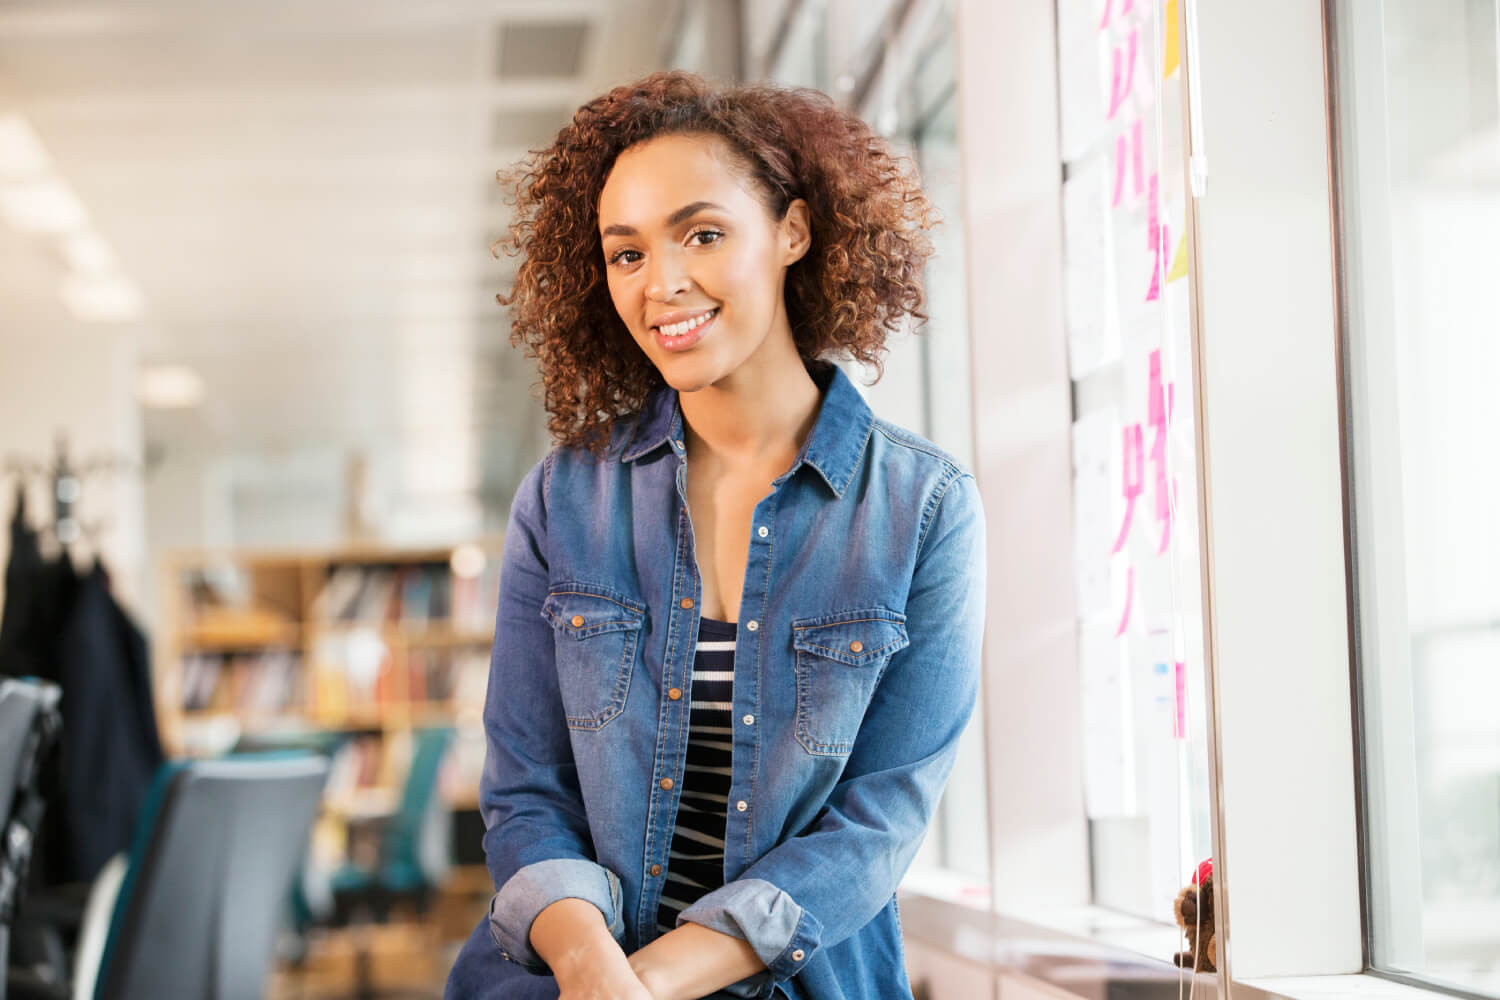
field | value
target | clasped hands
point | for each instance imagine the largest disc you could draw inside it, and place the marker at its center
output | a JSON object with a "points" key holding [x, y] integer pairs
{"points": [[588, 964]]}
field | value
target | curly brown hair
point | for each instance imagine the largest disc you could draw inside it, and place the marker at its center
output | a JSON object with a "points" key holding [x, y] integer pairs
{"points": [[860, 276]]}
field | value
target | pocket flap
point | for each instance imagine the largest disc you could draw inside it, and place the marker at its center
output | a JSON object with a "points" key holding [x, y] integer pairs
{"points": [[853, 637], [582, 610]]}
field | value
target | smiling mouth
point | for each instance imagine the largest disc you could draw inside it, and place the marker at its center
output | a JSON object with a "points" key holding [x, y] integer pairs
{"points": [[688, 325]]}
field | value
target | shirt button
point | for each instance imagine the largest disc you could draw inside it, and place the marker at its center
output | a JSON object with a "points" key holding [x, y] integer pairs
{"points": [[685, 603], [679, 444], [666, 783], [656, 869], [798, 955], [856, 646], [578, 621], [764, 531], [674, 693], [742, 805], [749, 720], [752, 624]]}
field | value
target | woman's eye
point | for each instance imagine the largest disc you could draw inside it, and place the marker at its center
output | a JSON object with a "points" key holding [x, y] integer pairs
{"points": [[625, 257], [697, 238]]}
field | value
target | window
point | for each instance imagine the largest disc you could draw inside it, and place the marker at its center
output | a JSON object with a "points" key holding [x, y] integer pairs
{"points": [[1135, 495], [1419, 153]]}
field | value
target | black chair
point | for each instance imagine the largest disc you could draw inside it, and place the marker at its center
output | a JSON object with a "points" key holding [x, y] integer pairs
{"points": [[29, 727], [194, 910]]}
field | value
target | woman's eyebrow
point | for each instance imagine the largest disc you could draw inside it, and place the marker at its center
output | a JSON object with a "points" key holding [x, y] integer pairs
{"points": [[677, 217]]}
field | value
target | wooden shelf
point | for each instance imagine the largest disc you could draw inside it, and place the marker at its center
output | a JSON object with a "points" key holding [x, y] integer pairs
{"points": [[228, 637], [409, 634], [247, 644]]}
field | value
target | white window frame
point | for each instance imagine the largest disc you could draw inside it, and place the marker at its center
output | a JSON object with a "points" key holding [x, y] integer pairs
{"points": [[1276, 567]]}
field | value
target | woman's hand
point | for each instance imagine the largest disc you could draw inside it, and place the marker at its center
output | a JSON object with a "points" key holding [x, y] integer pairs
{"points": [[605, 977], [571, 937], [693, 961]]}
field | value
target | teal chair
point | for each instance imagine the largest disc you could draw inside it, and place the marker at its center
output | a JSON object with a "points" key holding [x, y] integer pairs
{"points": [[414, 854], [194, 909]]}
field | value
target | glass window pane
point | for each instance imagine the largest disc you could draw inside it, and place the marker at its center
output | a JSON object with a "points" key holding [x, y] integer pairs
{"points": [[1126, 311], [1419, 151]]}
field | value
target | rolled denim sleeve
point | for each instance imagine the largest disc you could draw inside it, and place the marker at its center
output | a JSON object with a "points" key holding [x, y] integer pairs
{"points": [[537, 841], [822, 885]]}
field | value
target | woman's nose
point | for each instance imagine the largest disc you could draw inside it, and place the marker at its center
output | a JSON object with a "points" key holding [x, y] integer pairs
{"points": [[666, 278]]}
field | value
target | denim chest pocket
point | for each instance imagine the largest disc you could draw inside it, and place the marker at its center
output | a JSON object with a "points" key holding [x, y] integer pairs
{"points": [[596, 636], [839, 660]]}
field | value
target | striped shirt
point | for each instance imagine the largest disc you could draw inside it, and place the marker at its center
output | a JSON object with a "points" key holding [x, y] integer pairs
{"points": [[695, 860]]}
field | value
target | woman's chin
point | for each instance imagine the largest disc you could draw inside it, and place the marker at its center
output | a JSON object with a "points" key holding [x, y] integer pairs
{"points": [[688, 372]]}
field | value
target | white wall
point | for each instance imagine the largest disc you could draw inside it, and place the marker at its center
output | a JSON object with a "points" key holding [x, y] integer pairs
{"points": [[60, 377]]}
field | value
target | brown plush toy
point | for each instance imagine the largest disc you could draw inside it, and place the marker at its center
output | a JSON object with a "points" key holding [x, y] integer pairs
{"points": [[1194, 909]]}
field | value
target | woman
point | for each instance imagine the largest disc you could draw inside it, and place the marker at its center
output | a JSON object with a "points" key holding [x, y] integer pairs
{"points": [[739, 629]]}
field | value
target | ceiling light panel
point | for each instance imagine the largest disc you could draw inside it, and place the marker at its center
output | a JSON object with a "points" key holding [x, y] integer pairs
{"points": [[550, 49]]}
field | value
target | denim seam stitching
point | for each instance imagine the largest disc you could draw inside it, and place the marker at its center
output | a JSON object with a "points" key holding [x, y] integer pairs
{"points": [[674, 796], [760, 645], [858, 458], [896, 435], [602, 597], [929, 515]]}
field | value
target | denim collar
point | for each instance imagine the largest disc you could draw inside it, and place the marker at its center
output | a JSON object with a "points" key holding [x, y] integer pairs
{"points": [[834, 448]]}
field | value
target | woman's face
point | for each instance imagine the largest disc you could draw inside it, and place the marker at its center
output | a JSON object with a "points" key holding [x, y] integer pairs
{"points": [[696, 263]]}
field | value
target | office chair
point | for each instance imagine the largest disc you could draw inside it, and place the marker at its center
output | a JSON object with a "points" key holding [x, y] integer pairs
{"points": [[30, 723], [194, 909], [415, 846]]}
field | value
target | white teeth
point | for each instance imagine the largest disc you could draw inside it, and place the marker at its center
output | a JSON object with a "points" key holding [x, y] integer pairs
{"points": [[687, 325]]}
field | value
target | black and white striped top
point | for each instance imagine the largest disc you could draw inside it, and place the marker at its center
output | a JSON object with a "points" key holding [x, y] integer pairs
{"points": [[695, 860]]}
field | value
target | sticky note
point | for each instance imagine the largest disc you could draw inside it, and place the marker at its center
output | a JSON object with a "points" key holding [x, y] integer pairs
{"points": [[1179, 260], [1170, 47]]}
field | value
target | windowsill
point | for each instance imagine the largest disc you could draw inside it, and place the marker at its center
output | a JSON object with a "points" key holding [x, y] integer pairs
{"points": [[1082, 950], [1077, 949], [1320, 987]]}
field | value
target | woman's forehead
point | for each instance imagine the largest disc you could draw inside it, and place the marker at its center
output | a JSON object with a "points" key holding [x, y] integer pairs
{"points": [[651, 180]]}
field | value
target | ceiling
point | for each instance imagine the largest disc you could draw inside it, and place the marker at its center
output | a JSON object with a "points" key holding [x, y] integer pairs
{"points": [[304, 194]]}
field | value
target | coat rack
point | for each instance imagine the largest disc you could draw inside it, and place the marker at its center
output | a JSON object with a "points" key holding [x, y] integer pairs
{"points": [[65, 479]]}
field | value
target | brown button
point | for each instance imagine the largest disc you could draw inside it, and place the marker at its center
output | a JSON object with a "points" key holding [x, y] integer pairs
{"points": [[685, 603], [578, 621], [656, 869], [856, 646], [666, 783], [674, 693]]}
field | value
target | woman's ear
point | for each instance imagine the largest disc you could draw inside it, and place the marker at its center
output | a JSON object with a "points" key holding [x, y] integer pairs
{"points": [[796, 232]]}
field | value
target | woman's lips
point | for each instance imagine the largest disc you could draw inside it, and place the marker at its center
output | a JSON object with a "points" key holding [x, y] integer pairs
{"points": [[683, 341]]}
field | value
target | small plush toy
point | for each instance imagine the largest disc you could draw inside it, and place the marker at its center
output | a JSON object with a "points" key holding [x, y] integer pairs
{"points": [[1194, 909]]}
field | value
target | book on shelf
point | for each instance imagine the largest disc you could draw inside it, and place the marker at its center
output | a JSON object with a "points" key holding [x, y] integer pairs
{"points": [[413, 594], [260, 683]]}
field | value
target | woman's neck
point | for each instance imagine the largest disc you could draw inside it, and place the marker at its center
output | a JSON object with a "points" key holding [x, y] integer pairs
{"points": [[761, 413]]}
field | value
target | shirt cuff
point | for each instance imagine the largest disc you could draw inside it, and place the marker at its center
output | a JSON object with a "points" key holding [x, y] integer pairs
{"points": [[782, 934], [535, 887]]}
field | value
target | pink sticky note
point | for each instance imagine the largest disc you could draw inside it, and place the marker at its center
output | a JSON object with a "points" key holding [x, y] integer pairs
{"points": [[1129, 600], [1158, 406], [1134, 479], [1138, 156], [1164, 240], [1179, 722], [1153, 215], [1122, 80], [1129, 149]]}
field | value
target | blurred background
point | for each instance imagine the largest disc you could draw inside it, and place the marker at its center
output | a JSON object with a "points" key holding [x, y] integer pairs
{"points": [[261, 425]]}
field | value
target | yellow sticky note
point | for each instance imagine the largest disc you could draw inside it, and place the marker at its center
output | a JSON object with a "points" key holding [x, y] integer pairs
{"points": [[1171, 43], [1179, 259]]}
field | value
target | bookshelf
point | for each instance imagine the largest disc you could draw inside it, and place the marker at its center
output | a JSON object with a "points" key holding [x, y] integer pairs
{"points": [[358, 647]]}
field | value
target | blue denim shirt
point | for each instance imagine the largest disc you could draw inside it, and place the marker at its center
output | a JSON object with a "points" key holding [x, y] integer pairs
{"points": [[856, 668]]}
